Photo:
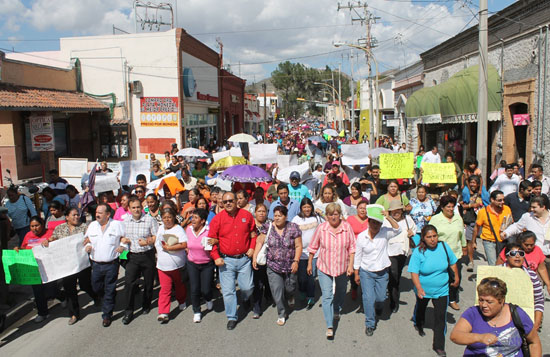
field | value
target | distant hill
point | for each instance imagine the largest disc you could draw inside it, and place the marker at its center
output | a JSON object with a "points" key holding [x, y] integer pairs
{"points": [[257, 87]]}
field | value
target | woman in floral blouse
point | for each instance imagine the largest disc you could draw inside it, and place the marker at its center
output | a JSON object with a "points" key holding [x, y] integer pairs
{"points": [[284, 248], [423, 208]]}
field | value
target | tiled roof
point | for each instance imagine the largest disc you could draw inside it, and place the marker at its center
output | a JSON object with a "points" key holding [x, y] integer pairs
{"points": [[25, 98]]}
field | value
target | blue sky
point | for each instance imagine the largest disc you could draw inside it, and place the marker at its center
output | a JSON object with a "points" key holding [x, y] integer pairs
{"points": [[255, 32]]}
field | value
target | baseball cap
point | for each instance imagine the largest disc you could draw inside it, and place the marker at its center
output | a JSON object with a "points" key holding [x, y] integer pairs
{"points": [[294, 175], [336, 163]]}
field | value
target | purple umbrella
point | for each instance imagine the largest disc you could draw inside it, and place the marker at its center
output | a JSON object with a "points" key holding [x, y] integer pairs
{"points": [[245, 173]]}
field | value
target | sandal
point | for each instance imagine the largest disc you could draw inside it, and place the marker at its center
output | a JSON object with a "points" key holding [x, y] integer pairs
{"points": [[330, 333], [281, 321]]}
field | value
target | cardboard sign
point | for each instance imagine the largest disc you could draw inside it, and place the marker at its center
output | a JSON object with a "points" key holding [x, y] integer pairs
{"points": [[396, 166], [357, 154], [438, 173]]}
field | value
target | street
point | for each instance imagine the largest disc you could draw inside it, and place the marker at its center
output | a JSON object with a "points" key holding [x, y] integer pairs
{"points": [[303, 334]]}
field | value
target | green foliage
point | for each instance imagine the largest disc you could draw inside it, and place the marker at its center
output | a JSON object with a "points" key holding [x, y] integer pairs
{"points": [[295, 80]]}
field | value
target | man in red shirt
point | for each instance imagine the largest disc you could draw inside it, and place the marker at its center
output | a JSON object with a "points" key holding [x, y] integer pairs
{"points": [[235, 231]]}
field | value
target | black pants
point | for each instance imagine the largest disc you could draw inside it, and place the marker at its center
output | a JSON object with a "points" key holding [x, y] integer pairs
{"points": [[43, 292], [84, 279], [440, 318], [261, 287], [200, 281], [453, 292], [104, 277], [140, 264], [396, 269]]}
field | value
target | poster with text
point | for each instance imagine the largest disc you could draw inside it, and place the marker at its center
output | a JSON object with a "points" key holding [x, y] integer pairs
{"points": [[159, 111], [42, 135]]}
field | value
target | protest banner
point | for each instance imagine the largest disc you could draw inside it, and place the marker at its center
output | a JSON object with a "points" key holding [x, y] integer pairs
{"points": [[61, 258], [72, 169], [518, 283], [284, 161], [235, 151], [396, 166], [20, 267], [438, 172], [220, 155], [263, 153], [283, 174], [106, 182], [131, 168], [357, 154]]}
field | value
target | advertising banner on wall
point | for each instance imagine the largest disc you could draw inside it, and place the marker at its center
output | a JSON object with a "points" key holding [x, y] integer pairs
{"points": [[159, 111], [42, 135]]}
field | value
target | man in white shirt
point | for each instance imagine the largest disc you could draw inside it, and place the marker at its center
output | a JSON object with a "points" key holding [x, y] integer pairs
{"points": [[104, 246], [403, 148], [508, 182], [432, 156], [537, 173], [189, 182]]}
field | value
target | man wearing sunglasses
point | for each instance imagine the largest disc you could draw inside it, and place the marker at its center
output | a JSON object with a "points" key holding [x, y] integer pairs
{"points": [[235, 231], [491, 219]]}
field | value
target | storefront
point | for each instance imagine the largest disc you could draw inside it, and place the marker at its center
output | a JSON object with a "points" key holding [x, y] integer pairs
{"points": [[200, 129]]}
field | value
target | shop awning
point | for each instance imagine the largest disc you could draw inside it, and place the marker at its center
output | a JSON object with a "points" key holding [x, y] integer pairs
{"points": [[248, 112], [455, 101], [38, 99]]}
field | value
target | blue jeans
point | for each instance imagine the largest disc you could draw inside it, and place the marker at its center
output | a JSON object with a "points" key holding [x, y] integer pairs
{"points": [[241, 269], [104, 277], [490, 251], [332, 303], [306, 283], [374, 285]]}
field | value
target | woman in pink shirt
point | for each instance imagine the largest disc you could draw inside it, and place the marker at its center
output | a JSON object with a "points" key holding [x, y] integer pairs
{"points": [[199, 263], [335, 241], [122, 211]]}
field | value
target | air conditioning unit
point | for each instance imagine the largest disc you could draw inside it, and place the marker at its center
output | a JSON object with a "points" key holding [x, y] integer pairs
{"points": [[136, 88]]}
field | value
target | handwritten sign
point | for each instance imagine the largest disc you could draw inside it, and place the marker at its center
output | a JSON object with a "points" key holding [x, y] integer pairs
{"points": [[396, 166], [106, 182], [20, 267], [357, 154], [62, 258], [438, 173], [518, 283]]}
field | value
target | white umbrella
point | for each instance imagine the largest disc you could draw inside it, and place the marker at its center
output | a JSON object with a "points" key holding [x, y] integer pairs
{"points": [[191, 152], [242, 138], [331, 132]]}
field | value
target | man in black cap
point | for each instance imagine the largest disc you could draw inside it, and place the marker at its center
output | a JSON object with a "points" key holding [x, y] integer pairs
{"points": [[297, 191]]}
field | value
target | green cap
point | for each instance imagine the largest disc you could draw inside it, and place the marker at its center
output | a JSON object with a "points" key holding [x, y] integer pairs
{"points": [[375, 212]]}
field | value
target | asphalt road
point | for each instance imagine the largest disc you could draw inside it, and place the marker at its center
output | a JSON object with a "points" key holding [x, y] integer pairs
{"points": [[302, 335]]}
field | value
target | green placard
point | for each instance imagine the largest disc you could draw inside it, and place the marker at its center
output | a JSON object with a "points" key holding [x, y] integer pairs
{"points": [[20, 267], [123, 255], [396, 166]]}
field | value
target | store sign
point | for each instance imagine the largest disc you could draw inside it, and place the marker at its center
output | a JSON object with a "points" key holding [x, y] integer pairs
{"points": [[159, 111], [392, 123], [234, 98], [208, 97], [521, 119], [42, 134]]}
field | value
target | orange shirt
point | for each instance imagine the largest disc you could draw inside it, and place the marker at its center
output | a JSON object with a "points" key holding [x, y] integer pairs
{"points": [[499, 221]]}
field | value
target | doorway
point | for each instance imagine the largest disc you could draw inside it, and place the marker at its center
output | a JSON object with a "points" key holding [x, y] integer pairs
{"points": [[520, 131]]}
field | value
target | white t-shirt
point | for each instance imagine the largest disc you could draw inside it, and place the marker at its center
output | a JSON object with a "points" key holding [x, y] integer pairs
{"points": [[431, 158], [168, 261], [307, 227]]}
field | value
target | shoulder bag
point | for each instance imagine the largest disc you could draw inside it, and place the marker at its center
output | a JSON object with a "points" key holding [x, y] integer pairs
{"points": [[449, 270], [498, 245], [519, 326], [261, 259]]}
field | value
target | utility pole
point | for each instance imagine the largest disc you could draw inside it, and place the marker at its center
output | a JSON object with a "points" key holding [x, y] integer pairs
{"points": [[264, 87], [341, 122], [482, 109], [367, 19], [351, 87]]}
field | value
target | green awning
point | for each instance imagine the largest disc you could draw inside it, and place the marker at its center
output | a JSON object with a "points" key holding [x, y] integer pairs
{"points": [[456, 99]]}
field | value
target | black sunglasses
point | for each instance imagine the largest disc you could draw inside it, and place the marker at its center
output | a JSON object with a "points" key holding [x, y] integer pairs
{"points": [[493, 283], [513, 253], [228, 201]]}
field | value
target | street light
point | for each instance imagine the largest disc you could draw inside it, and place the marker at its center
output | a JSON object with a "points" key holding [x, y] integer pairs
{"points": [[333, 97], [369, 54]]}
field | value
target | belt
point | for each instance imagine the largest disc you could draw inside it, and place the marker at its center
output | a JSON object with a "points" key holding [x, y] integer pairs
{"points": [[239, 256], [141, 253], [106, 263]]}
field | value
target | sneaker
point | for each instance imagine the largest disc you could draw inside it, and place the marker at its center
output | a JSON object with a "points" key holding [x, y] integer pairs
{"points": [[40, 318], [163, 318], [210, 305], [470, 267], [197, 317], [183, 306], [281, 321], [330, 333], [310, 303], [369, 331]]}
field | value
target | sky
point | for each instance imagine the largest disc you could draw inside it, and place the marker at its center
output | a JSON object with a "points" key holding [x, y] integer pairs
{"points": [[256, 35]]}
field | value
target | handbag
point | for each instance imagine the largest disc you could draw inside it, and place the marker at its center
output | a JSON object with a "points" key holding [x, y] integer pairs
{"points": [[261, 259], [519, 326], [449, 270], [498, 245]]}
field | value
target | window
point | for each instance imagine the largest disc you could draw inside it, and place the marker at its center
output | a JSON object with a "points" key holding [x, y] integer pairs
{"points": [[114, 141]]}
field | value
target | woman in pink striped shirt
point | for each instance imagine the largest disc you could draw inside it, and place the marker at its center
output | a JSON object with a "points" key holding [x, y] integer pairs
{"points": [[199, 263], [335, 241]]}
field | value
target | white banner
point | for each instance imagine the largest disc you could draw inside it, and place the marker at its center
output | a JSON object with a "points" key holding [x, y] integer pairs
{"points": [[106, 182], [62, 258], [283, 174], [263, 153], [284, 161], [357, 154], [235, 151], [42, 133], [220, 155], [130, 169]]}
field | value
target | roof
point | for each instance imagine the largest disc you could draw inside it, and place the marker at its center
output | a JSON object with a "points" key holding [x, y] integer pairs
{"points": [[25, 98], [455, 98]]}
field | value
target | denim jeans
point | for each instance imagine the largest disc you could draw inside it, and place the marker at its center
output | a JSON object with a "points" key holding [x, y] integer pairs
{"points": [[490, 251], [306, 283], [240, 269], [374, 285], [104, 277], [332, 303]]}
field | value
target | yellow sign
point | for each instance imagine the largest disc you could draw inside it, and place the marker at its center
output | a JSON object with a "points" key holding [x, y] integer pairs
{"points": [[438, 173], [518, 284], [396, 166]]}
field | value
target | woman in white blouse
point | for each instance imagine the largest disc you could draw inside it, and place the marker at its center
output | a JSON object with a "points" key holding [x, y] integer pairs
{"points": [[328, 196]]}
